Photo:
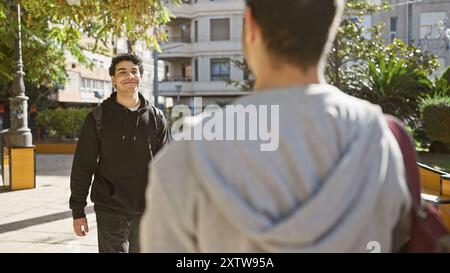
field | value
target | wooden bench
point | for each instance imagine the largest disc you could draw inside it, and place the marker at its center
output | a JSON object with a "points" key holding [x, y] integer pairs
{"points": [[436, 190]]}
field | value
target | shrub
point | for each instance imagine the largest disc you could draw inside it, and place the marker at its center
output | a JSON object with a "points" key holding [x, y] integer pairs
{"points": [[395, 85], [446, 74], [441, 85], [436, 117], [62, 122]]}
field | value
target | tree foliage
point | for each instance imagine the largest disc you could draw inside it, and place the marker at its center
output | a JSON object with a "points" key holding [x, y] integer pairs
{"points": [[62, 122], [393, 75], [53, 28], [436, 120], [394, 85]]}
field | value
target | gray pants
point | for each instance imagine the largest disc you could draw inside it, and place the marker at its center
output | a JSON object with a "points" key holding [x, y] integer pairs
{"points": [[118, 233]]}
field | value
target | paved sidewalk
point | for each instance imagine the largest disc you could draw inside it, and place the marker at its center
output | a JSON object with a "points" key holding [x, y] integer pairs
{"points": [[39, 220]]}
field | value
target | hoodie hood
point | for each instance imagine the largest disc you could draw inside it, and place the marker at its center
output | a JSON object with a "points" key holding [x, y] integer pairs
{"points": [[112, 104], [336, 168]]}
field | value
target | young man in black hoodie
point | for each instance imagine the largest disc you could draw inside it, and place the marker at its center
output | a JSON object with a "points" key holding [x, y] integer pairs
{"points": [[116, 144]]}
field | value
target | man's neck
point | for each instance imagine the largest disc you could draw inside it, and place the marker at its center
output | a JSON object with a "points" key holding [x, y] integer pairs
{"points": [[128, 100], [287, 75]]}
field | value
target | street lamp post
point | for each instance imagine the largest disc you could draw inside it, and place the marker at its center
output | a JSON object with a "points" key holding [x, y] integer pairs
{"points": [[19, 135], [155, 78], [178, 87]]}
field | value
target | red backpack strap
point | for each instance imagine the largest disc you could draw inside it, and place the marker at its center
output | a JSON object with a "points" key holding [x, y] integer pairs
{"points": [[428, 232], [409, 157]]}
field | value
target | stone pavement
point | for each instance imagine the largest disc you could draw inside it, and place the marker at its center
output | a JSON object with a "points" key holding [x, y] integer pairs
{"points": [[39, 220]]}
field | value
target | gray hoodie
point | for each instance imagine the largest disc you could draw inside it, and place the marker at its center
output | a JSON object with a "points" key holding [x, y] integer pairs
{"points": [[336, 183]]}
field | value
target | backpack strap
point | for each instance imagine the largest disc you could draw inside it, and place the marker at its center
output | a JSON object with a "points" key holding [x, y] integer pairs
{"points": [[97, 113], [409, 158], [157, 121], [428, 232], [157, 117]]}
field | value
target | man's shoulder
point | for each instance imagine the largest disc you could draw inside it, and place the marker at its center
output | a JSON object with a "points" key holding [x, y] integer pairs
{"points": [[345, 106], [173, 165], [175, 154], [155, 111]]}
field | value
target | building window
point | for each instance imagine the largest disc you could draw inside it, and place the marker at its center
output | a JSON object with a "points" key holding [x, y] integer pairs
{"points": [[196, 31], [95, 86], [220, 29], [185, 33], [393, 28], [186, 72], [166, 72], [196, 70], [432, 24], [220, 69]]}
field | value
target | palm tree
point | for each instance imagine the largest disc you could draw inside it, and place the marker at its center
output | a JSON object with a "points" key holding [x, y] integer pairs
{"points": [[395, 85]]}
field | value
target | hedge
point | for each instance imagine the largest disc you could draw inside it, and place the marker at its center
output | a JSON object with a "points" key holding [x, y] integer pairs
{"points": [[436, 117], [62, 122]]}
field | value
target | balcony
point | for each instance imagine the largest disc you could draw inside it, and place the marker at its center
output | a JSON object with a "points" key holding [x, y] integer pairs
{"points": [[440, 47], [188, 9], [176, 48], [183, 87], [175, 86], [181, 11], [177, 79], [179, 42], [220, 47]]}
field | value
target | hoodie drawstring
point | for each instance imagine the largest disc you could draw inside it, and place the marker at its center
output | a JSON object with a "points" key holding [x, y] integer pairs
{"points": [[137, 124], [125, 124]]}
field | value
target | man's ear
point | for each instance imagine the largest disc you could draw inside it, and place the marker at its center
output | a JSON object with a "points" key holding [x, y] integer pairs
{"points": [[113, 80], [251, 28]]}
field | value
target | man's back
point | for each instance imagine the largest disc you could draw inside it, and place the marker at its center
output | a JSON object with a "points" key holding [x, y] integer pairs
{"points": [[335, 183]]}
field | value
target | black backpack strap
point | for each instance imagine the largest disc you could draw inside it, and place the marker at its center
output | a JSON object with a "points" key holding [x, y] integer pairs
{"points": [[157, 116], [97, 114], [153, 112]]}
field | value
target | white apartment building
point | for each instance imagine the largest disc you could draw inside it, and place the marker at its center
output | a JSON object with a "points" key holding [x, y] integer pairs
{"points": [[91, 86], [204, 38], [424, 23]]}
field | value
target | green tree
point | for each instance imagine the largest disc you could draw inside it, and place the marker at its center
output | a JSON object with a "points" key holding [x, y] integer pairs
{"points": [[441, 85], [435, 110], [392, 75], [394, 85], [248, 84], [446, 74], [51, 28], [62, 122]]}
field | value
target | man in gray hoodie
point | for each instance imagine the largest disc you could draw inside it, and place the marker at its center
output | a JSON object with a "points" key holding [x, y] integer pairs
{"points": [[334, 183]]}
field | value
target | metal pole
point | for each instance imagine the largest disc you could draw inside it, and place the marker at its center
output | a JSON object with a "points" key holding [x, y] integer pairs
{"points": [[155, 77], [407, 21], [19, 135], [178, 88]]}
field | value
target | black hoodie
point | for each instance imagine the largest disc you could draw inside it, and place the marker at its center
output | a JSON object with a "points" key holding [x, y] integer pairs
{"points": [[123, 154]]}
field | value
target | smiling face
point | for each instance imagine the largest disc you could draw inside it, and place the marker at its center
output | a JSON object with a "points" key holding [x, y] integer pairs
{"points": [[127, 77]]}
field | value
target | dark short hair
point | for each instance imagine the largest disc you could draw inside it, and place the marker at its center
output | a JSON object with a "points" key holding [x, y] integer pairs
{"points": [[296, 31], [126, 57]]}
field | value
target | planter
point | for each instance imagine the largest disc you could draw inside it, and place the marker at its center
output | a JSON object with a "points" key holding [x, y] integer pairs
{"points": [[63, 147]]}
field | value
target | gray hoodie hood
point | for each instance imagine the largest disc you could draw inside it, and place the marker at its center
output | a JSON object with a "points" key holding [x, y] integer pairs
{"points": [[335, 183]]}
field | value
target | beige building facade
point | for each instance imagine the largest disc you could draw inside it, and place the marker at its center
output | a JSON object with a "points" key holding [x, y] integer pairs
{"points": [[203, 40], [424, 23]]}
